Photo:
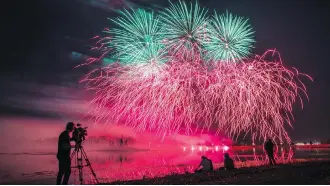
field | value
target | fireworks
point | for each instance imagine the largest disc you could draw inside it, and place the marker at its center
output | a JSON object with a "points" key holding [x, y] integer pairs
{"points": [[255, 96], [184, 29], [171, 76], [230, 38], [137, 40]]}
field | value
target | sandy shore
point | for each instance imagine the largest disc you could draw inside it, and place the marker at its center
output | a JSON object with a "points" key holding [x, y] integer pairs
{"points": [[301, 171], [315, 172]]}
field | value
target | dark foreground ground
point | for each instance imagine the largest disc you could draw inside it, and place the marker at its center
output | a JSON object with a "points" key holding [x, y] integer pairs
{"points": [[317, 172]]}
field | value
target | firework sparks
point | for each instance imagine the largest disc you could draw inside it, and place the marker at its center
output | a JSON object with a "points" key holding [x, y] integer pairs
{"points": [[137, 40], [184, 29], [255, 96], [229, 38], [172, 88]]}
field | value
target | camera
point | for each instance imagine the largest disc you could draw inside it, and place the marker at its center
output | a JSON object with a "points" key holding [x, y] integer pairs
{"points": [[79, 134]]}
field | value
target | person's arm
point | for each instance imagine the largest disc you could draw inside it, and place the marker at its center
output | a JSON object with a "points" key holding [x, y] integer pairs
{"points": [[65, 142], [66, 146], [200, 164]]}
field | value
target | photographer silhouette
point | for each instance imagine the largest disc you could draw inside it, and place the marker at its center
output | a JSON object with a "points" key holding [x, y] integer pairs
{"points": [[79, 155], [63, 155]]}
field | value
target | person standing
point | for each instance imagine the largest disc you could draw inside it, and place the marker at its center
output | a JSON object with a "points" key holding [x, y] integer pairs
{"points": [[63, 155], [269, 148]]}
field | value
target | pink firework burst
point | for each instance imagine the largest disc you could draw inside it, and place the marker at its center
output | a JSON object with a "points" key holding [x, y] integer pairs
{"points": [[252, 97], [255, 96], [184, 71]]}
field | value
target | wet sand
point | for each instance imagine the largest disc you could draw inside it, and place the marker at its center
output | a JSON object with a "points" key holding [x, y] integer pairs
{"points": [[313, 172]]}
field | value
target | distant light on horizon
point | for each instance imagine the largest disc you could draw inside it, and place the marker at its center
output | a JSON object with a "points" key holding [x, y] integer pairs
{"points": [[303, 143]]}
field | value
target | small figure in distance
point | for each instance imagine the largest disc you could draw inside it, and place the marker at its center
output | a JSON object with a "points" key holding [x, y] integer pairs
{"points": [[121, 141], [269, 148], [206, 165], [63, 155], [228, 162]]}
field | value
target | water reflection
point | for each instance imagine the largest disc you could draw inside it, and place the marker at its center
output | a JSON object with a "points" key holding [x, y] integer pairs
{"points": [[150, 164], [127, 164]]}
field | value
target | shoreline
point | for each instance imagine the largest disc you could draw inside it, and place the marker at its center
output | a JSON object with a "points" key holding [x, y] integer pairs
{"points": [[304, 172], [299, 171]]}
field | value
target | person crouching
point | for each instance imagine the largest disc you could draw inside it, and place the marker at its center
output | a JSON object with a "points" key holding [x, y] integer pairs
{"points": [[205, 165]]}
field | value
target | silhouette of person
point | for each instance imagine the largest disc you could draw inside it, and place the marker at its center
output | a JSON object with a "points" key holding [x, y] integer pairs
{"points": [[269, 148], [121, 159], [121, 140], [228, 162], [63, 155], [205, 165]]}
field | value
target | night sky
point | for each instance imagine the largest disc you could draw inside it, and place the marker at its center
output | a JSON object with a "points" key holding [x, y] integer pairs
{"points": [[38, 78]]}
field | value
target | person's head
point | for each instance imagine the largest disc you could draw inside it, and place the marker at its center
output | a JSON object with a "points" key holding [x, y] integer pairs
{"points": [[70, 126], [269, 140], [203, 157], [226, 155]]}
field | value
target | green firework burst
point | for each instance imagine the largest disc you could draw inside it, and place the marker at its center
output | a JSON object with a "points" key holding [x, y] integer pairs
{"points": [[229, 38], [137, 38], [183, 27]]}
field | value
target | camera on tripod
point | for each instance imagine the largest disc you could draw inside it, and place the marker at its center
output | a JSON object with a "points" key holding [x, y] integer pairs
{"points": [[79, 134]]}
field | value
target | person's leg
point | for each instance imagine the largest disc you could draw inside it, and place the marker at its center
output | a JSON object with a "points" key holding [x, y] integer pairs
{"points": [[273, 159], [59, 178], [66, 177], [60, 172], [67, 172], [270, 159]]}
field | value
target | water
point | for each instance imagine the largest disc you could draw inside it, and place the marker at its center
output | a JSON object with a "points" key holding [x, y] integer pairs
{"points": [[126, 163]]}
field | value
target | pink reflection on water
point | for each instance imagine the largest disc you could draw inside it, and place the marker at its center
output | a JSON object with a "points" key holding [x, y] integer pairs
{"points": [[161, 163], [114, 162]]}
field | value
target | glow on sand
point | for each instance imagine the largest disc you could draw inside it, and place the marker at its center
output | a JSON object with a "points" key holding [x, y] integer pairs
{"points": [[174, 74]]}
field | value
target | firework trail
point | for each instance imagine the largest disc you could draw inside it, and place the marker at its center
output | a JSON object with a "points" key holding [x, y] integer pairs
{"points": [[255, 96], [198, 77], [251, 97]]}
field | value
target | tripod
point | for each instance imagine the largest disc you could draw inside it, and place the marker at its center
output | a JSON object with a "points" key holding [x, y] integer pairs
{"points": [[80, 154]]}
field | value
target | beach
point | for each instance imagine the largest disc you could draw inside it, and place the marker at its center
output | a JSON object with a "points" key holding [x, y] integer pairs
{"points": [[124, 164], [309, 172]]}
